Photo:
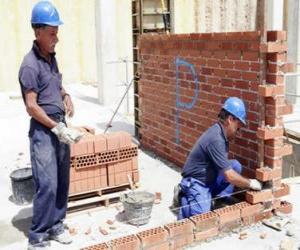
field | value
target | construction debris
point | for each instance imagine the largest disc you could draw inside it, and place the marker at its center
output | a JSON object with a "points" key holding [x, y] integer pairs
{"points": [[263, 235], [72, 231], [243, 235], [110, 222], [276, 222], [103, 231], [287, 244]]}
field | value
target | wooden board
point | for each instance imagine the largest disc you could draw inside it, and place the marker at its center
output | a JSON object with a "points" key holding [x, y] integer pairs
{"points": [[104, 198]]}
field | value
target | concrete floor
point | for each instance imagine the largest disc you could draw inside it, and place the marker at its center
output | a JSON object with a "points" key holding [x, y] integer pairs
{"points": [[155, 175]]}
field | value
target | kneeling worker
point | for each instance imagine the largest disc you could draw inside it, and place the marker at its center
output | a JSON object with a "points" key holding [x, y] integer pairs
{"points": [[208, 173]]}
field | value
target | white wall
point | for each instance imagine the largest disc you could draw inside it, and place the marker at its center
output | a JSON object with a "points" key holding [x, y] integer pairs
{"points": [[76, 50], [113, 42]]}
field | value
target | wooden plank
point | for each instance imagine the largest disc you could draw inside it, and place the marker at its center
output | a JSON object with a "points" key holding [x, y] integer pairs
{"points": [[96, 199]]}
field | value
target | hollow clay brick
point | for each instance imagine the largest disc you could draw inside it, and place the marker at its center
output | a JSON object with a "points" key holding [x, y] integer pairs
{"points": [[204, 221], [266, 133], [113, 141], [248, 209], [266, 174], [287, 149], [228, 214], [180, 227], [273, 36], [130, 242], [153, 238], [102, 246], [285, 207], [206, 234], [254, 197], [270, 90], [100, 143], [273, 47], [282, 191], [125, 139]]}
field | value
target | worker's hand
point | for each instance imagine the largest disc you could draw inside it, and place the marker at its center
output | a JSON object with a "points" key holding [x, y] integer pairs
{"points": [[255, 184], [67, 135], [69, 108]]}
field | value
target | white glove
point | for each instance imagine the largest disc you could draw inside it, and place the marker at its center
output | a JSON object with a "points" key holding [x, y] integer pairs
{"points": [[255, 184], [67, 135]]}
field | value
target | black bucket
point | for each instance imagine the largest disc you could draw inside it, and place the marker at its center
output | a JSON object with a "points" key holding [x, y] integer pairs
{"points": [[22, 186]]}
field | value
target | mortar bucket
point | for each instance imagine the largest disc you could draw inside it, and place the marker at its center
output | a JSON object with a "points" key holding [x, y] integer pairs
{"points": [[138, 207], [22, 186]]}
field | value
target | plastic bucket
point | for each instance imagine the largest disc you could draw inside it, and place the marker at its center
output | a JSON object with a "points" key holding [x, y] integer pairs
{"points": [[22, 186], [138, 207]]}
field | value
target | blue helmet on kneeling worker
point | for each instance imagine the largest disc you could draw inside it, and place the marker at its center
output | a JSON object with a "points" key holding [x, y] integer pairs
{"points": [[236, 107]]}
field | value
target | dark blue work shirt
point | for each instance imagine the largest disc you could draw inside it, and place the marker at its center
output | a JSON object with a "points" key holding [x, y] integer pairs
{"points": [[42, 77], [208, 156]]}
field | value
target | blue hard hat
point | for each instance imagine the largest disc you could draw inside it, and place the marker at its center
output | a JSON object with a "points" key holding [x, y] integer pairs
{"points": [[236, 107], [44, 12]]}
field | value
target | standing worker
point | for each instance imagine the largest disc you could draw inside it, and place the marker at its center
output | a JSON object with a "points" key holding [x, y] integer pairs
{"points": [[208, 173], [47, 103]]}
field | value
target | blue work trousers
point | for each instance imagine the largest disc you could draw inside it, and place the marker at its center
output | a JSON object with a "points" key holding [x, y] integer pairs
{"points": [[195, 197], [50, 161]]}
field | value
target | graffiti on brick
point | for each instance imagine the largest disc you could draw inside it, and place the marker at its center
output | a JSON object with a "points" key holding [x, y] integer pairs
{"points": [[179, 104]]}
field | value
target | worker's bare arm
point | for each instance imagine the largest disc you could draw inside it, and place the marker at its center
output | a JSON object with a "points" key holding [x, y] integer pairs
{"points": [[36, 112]]}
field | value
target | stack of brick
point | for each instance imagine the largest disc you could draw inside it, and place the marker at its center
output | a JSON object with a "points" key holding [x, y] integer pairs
{"points": [[272, 130], [197, 229], [102, 161], [185, 79]]}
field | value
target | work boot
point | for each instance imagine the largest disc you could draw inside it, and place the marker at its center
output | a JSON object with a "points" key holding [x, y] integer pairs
{"points": [[176, 199], [63, 238], [39, 246]]}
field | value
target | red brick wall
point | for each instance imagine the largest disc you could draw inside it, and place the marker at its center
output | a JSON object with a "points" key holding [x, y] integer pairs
{"points": [[225, 64]]}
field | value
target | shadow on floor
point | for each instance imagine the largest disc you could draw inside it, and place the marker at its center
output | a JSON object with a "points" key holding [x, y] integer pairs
{"points": [[118, 126], [22, 221]]}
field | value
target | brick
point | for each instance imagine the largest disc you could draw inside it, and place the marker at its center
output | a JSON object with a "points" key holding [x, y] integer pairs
{"points": [[264, 215], [285, 207], [282, 191], [287, 149], [102, 246], [100, 144], [80, 148], [229, 226], [153, 238], [125, 139], [274, 79], [240, 65], [130, 242], [285, 110], [227, 214], [266, 174], [270, 90], [273, 47], [180, 227], [289, 67], [248, 209], [204, 221], [274, 35], [206, 234], [135, 176], [89, 140], [180, 242], [250, 56], [250, 76], [254, 197], [267, 133], [277, 57], [180, 233], [113, 141]]}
